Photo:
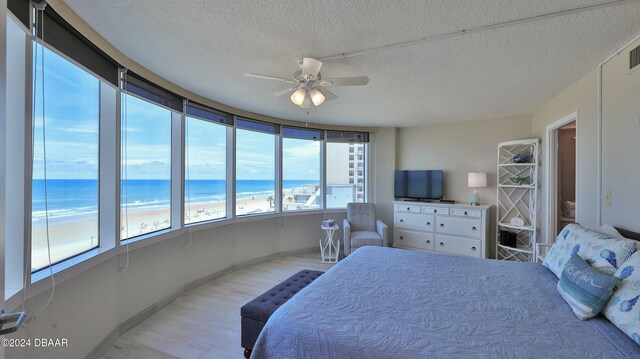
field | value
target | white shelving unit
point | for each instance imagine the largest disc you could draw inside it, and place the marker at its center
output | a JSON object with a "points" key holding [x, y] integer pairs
{"points": [[516, 202]]}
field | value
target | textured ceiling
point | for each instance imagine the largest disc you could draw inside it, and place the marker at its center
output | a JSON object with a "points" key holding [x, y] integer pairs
{"points": [[207, 47]]}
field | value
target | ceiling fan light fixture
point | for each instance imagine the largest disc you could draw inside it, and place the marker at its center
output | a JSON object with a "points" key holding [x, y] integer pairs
{"points": [[316, 97], [307, 101], [298, 96]]}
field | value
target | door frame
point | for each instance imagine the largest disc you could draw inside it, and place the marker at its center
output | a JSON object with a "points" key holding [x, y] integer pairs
{"points": [[552, 175]]}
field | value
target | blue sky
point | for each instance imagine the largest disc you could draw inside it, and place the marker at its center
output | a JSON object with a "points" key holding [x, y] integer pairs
{"points": [[72, 110], [72, 118]]}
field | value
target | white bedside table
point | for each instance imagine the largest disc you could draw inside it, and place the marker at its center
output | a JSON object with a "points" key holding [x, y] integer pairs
{"points": [[329, 250]]}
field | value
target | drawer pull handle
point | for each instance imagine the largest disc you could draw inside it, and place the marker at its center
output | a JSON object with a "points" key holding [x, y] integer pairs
{"points": [[408, 208], [474, 228], [473, 249], [441, 224], [441, 244], [428, 241], [401, 237], [465, 213], [402, 221], [435, 211], [428, 223]]}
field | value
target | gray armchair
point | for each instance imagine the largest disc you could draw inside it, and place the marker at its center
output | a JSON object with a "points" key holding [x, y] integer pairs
{"points": [[362, 229]]}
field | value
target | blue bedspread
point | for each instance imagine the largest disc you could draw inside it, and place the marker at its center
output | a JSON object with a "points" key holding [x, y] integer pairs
{"points": [[393, 303]]}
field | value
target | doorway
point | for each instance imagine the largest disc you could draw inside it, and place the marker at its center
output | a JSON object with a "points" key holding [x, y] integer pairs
{"points": [[562, 139]]}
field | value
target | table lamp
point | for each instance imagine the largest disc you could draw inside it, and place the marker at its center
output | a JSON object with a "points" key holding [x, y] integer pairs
{"points": [[476, 180]]}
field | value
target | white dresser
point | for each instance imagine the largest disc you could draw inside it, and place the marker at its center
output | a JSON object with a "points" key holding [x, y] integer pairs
{"points": [[448, 228]]}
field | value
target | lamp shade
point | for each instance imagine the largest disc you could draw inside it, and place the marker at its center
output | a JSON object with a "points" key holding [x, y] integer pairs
{"points": [[477, 179], [316, 97], [298, 96]]}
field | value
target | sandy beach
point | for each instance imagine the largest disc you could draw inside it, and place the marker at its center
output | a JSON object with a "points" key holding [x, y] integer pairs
{"points": [[70, 235]]}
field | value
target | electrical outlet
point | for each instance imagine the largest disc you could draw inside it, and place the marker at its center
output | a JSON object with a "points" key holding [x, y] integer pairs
{"points": [[234, 243], [607, 199]]}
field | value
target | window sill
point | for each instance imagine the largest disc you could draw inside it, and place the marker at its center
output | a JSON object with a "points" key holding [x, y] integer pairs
{"points": [[151, 238]]}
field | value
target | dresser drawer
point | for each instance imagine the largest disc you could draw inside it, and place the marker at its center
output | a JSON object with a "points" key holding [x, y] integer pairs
{"points": [[407, 208], [435, 210], [459, 226], [474, 213], [418, 222], [414, 240], [454, 245]]}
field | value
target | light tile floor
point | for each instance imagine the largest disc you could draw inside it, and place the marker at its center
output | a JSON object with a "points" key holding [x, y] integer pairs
{"points": [[205, 323]]}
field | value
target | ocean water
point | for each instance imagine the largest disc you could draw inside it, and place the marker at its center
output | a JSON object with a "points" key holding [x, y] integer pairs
{"points": [[72, 197]]}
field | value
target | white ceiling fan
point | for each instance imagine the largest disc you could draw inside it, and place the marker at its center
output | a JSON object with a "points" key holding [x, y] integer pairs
{"points": [[309, 86]]}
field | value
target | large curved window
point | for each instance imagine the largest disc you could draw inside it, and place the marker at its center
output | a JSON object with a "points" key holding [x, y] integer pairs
{"points": [[205, 171], [180, 162], [66, 137], [301, 187], [255, 168], [145, 189]]}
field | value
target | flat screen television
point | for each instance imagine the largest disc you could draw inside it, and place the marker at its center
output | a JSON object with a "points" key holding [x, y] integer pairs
{"points": [[420, 185]]}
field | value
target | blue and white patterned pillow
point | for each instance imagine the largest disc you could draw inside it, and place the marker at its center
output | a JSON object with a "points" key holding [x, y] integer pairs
{"points": [[586, 289], [601, 251], [623, 308]]}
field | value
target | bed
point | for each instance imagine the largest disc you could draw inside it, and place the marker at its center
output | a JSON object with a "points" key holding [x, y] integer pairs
{"points": [[393, 303]]}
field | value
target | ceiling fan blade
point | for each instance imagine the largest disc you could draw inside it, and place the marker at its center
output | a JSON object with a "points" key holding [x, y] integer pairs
{"points": [[328, 95], [311, 67], [346, 81], [283, 92], [267, 77]]}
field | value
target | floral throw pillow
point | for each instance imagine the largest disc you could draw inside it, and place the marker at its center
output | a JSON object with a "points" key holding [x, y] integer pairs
{"points": [[600, 251]]}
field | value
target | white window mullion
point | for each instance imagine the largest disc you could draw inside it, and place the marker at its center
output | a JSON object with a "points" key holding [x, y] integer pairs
{"points": [[117, 140], [231, 172], [16, 162], [28, 161], [323, 173], [177, 183], [278, 174], [109, 171]]}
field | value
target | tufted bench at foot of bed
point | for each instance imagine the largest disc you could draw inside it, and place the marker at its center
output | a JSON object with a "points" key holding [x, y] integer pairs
{"points": [[256, 313]]}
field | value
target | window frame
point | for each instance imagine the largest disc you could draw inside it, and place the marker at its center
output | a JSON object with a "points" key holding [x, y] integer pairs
{"points": [[277, 133], [108, 153], [176, 151], [228, 166], [29, 161], [321, 178]]}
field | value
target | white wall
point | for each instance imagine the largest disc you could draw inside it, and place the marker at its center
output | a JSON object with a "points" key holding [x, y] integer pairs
{"points": [[384, 156], [583, 98], [86, 308], [621, 141], [458, 149]]}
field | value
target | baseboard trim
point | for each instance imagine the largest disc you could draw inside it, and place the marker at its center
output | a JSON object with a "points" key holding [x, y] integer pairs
{"points": [[142, 315]]}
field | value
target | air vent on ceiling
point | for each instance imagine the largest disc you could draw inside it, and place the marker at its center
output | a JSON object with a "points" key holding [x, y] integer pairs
{"points": [[634, 58]]}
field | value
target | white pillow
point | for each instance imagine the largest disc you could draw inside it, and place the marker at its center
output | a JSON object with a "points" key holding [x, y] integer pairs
{"points": [[611, 231], [623, 308]]}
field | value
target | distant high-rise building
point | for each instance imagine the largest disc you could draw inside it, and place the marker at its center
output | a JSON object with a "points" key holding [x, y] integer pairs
{"points": [[346, 173]]}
